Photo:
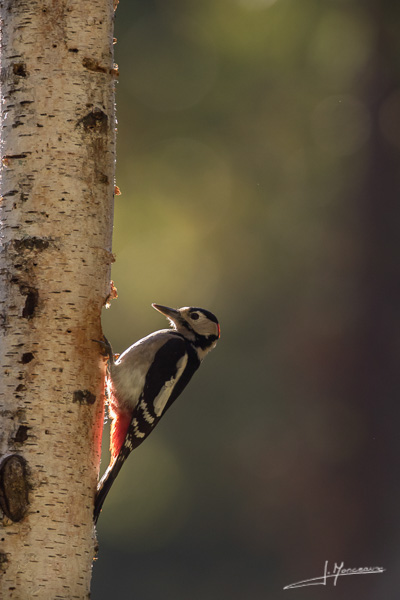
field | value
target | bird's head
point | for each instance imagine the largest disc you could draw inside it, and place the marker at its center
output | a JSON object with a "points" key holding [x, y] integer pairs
{"points": [[197, 325]]}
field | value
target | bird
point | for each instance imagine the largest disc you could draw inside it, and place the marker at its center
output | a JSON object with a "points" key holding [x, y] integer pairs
{"points": [[148, 377]]}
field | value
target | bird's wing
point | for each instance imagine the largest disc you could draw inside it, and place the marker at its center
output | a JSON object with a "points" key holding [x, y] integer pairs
{"points": [[169, 363]]}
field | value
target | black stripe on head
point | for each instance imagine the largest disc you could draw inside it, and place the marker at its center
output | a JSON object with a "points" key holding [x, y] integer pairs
{"points": [[207, 313]]}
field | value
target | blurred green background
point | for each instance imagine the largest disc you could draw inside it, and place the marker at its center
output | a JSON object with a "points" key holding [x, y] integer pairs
{"points": [[258, 159]]}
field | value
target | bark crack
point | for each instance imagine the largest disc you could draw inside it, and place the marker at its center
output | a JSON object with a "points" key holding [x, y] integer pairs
{"points": [[84, 397]]}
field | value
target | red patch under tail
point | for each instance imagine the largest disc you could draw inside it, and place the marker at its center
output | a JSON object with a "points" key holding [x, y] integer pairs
{"points": [[119, 427]]}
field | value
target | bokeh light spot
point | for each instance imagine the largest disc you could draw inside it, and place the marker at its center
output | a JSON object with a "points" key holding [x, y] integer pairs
{"points": [[341, 125], [343, 43]]}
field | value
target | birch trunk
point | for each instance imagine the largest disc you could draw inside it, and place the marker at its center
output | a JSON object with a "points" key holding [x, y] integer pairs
{"points": [[56, 224]]}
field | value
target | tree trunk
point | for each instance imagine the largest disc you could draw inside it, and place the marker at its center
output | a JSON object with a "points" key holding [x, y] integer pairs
{"points": [[58, 144]]}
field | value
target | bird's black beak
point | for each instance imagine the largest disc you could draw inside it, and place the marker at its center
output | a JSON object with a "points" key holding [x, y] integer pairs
{"points": [[170, 313]]}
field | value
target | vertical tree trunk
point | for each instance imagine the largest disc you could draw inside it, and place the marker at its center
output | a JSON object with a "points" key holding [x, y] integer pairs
{"points": [[56, 226]]}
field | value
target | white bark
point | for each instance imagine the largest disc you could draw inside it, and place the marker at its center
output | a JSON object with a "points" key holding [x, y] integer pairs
{"points": [[58, 134]]}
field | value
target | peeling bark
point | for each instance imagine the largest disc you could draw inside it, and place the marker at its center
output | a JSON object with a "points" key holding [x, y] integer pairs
{"points": [[56, 210]]}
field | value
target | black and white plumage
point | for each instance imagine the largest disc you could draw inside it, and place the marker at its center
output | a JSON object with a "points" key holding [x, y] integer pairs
{"points": [[148, 377]]}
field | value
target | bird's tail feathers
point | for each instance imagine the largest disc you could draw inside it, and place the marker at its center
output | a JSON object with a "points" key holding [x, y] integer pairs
{"points": [[108, 479]]}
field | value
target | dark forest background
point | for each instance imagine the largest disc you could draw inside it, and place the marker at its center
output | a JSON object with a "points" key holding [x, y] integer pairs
{"points": [[259, 164]]}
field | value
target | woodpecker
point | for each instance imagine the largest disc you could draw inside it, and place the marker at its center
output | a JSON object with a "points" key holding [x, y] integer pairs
{"points": [[148, 377]]}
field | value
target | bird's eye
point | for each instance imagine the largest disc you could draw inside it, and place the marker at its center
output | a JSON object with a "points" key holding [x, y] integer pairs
{"points": [[194, 316]]}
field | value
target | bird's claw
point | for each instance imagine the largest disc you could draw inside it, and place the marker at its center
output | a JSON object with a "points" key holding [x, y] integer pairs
{"points": [[107, 348]]}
